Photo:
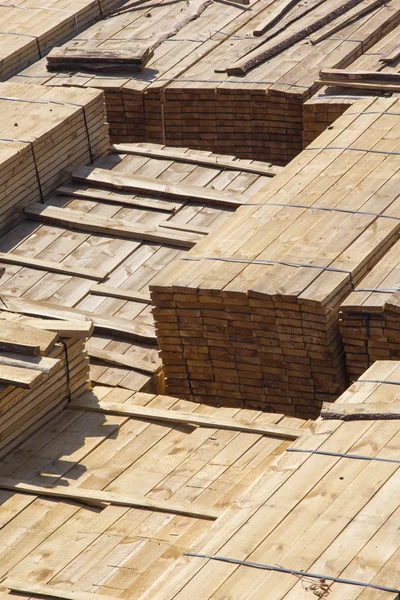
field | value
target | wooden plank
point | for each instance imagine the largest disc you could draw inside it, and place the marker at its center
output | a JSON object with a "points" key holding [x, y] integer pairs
{"points": [[52, 267], [122, 360], [27, 337], [392, 55], [146, 185], [274, 17], [37, 363], [115, 198], [123, 294], [362, 85], [382, 77], [27, 349], [185, 227], [67, 329], [22, 378], [101, 497], [170, 416], [31, 588], [344, 21], [196, 159], [115, 227], [360, 412], [99, 59], [102, 323]]}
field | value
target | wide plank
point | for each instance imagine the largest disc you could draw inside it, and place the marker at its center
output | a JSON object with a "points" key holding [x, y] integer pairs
{"points": [[360, 412], [122, 360]]}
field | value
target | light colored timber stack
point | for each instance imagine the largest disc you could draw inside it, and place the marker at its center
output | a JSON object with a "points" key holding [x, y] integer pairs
{"points": [[200, 90], [252, 318], [44, 131], [352, 84], [29, 28], [369, 317], [43, 365]]}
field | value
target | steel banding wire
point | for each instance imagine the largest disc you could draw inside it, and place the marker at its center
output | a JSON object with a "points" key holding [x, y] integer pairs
{"points": [[380, 290], [379, 381], [354, 150], [256, 261], [323, 208], [343, 455], [255, 565]]}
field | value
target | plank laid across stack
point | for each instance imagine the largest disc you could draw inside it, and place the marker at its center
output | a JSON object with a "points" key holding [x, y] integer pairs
{"points": [[192, 91], [155, 483], [351, 84], [321, 522], [251, 316], [369, 317], [44, 131], [43, 365], [93, 248], [29, 29]]}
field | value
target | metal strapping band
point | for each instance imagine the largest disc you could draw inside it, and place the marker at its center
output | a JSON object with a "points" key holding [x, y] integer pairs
{"points": [[380, 290], [257, 261], [235, 561], [354, 149], [34, 160], [344, 455], [67, 373], [372, 112], [323, 208], [379, 381]]}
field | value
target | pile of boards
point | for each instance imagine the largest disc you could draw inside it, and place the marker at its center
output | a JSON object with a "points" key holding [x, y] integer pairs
{"points": [[369, 317], [250, 317], [29, 29], [192, 91], [43, 365], [44, 131]]}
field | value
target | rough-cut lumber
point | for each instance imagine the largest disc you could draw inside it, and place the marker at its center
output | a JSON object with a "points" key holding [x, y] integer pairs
{"points": [[360, 412], [116, 227], [31, 588], [115, 181], [170, 416], [101, 497], [27, 336], [20, 377], [74, 329], [98, 59], [115, 198], [122, 360], [354, 76], [34, 363], [48, 265]]}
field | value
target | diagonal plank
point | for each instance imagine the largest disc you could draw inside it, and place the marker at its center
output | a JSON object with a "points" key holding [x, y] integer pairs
{"points": [[30, 588], [100, 497], [171, 416], [122, 293], [52, 267], [123, 360], [360, 412]]}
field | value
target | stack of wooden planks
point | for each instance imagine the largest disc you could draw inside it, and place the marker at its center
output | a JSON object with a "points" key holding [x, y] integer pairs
{"points": [[191, 94], [42, 132], [29, 29], [156, 472], [95, 246], [43, 365], [250, 317], [322, 522], [369, 317], [372, 74]]}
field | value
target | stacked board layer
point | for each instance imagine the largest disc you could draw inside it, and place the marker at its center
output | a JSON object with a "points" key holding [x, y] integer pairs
{"points": [[251, 316], [369, 318], [93, 248], [192, 93], [165, 480], [30, 28], [44, 131], [43, 365]]}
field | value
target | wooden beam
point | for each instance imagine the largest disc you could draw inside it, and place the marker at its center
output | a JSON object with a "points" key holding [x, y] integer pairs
{"points": [[155, 187], [52, 267], [122, 293], [122, 360], [115, 227], [195, 159], [100, 497], [102, 323], [171, 416], [115, 198], [31, 588], [360, 412]]}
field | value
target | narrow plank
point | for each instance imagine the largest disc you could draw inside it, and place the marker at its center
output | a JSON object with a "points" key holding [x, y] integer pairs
{"points": [[37, 589], [37, 363], [123, 294], [52, 267], [146, 185], [274, 17], [115, 198], [360, 412], [74, 329], [96, 497], [185, 227], [168, 416], [122, 360], [85, 222], [197, 159]]}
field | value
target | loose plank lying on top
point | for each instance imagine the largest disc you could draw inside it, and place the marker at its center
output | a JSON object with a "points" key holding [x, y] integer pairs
{"points": [[196, 159], [30, 588], [145, 185], [52, 267], [171, 416], [360, 412], [100, 498], [115, 198], [122, 360], [25, 336], [20, 377], [115, 227], [99, 58], [122, 293]]}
